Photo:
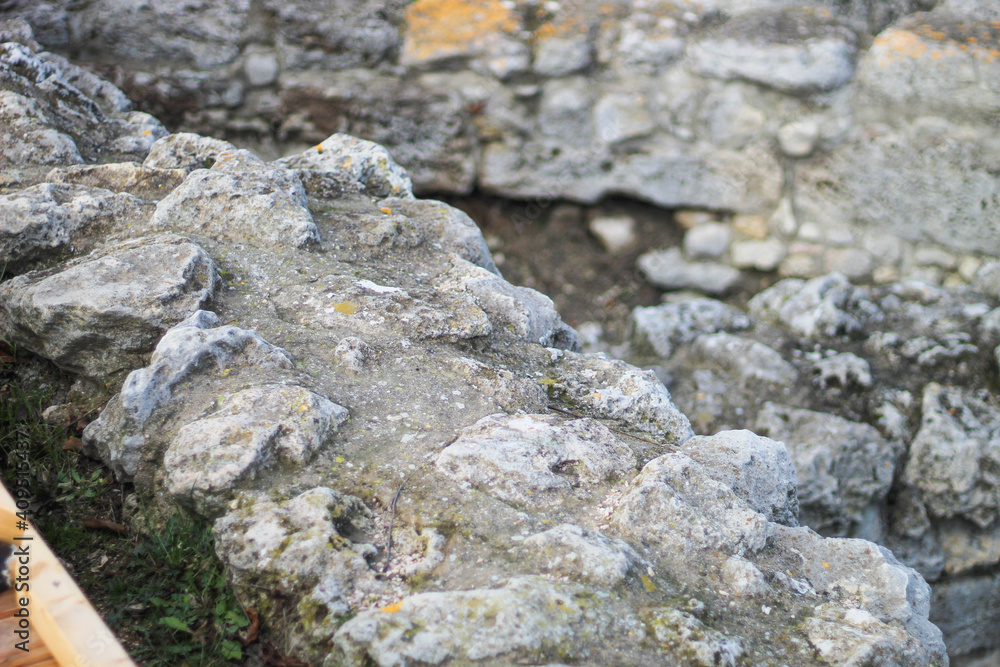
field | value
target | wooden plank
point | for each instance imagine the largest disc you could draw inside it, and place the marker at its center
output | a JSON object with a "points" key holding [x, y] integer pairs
{"points": [[62, 619], [38, 656]]}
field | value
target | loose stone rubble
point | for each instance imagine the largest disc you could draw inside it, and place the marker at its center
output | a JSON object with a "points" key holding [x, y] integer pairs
{"points": [[339, 356]]}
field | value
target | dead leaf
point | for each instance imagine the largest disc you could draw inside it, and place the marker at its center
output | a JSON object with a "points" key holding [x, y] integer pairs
{"points": [[72, 444], [253, 630]]}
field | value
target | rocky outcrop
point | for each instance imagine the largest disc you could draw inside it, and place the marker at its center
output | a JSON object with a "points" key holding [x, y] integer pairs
{"points": [[886, 410], [365, 377]]}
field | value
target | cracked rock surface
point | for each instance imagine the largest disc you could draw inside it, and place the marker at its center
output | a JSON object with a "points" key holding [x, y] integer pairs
{"points": [[364, 368]]}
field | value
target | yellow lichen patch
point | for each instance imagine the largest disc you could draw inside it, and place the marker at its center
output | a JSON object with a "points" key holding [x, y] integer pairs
{"points": [[346, 307], [647, 583], [566, 27], [386, 210], [392, 608], [893, 43], [437, 29]]}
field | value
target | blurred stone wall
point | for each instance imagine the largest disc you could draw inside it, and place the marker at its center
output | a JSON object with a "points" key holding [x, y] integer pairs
{"points": [[850, 135]]}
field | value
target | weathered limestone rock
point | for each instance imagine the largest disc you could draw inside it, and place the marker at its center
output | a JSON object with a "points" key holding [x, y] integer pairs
{"points": [[709, 240], [306, 546], [54, 112], [758, 470], [526, 459], [147, 183], [367, 306], [44, 221], [669, 270], [242, 199], [510, 621], [746, 360], [250, 430], [895, 595], [342, 157], [949, 610], [659, 329], [677, 505], [614, 390], [843, 370], [706, 647], [524, 312], [126, 435], [185, 150], [101, 314], [767, 47], [827, 306], [574, 552], [447, 226], [844, 468], [954, 454], [336, 531]]}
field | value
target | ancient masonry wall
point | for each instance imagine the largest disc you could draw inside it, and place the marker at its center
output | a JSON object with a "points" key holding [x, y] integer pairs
{"points": [[854, 137]]}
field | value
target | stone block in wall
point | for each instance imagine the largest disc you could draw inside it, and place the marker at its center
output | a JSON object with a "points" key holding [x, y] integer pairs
{"points": [[708, 240], [441, 30], [943, 191], [797, 51], [936, 63], [763, 255]]}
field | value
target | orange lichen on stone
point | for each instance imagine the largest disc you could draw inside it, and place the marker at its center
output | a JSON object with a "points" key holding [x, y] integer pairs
{"points": [[894, 43], [438, 29], [565, 27]]}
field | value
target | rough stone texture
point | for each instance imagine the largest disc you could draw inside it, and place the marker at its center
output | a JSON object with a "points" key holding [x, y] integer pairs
{"points": [[679, 507], [342, 157], [101, 314], [757, 469], [955, 454], [185, 150], [886, 106], [843, 370], [55, 112], [241, 198], [526, 313], [950, 604], [306, 546], [746, 360], [706, 647], [827, 306], [49, 221], [768, 48], [210, 457], [380, 314], [574, 552], [196, 346], [528, 459], [615, 390], [845, 468], [147, 183], [510, 621], [659, 329], [895, 595]]}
